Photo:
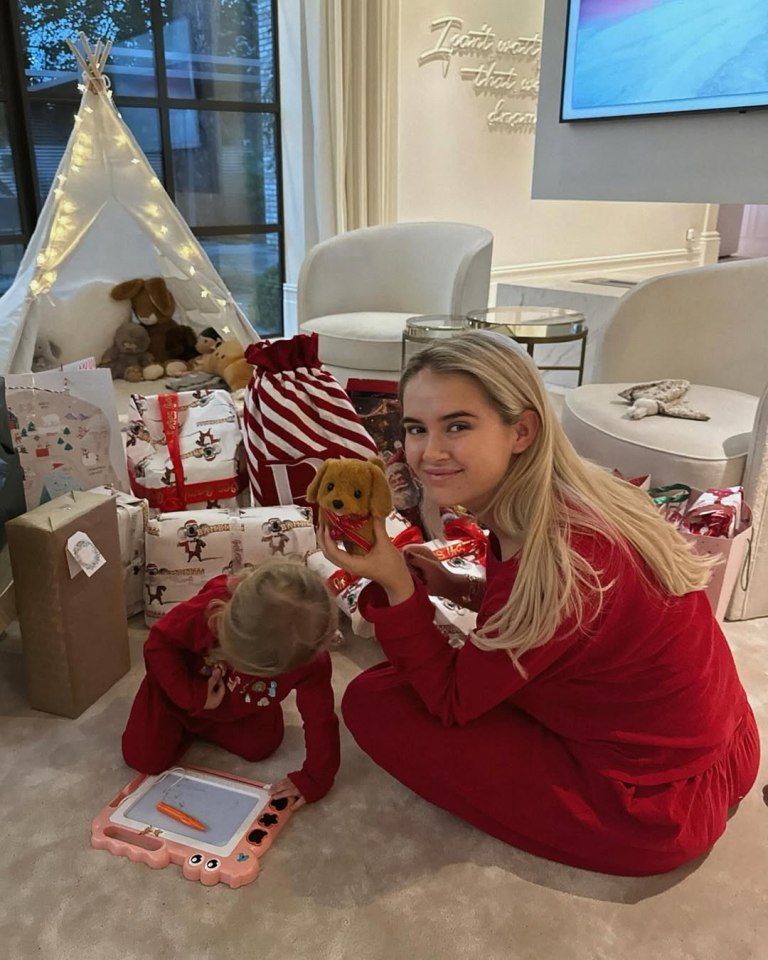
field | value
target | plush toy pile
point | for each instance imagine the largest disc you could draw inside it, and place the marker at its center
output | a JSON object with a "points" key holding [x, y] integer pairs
{"points": [[171, 345]]}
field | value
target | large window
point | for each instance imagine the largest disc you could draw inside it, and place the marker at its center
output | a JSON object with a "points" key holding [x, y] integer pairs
{"points": [[196, 81]]}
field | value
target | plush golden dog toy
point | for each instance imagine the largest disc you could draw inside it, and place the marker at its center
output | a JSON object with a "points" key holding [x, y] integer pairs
{"points": [[350, 493]]}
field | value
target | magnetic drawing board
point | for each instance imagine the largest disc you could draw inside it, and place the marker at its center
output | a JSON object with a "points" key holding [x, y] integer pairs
{"points": [[240, 819]]}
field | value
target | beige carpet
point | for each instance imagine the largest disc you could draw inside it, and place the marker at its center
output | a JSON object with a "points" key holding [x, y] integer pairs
{"points": [[371, 873]]}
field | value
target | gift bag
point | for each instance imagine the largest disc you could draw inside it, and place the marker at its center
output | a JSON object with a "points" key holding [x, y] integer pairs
{"points": [[186, 549], [185, 450], [296, 415], [65, 429], [717, 523]]}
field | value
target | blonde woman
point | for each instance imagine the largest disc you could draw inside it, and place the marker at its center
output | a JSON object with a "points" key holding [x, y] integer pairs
{"points": [[219, 665], [596, 717]]}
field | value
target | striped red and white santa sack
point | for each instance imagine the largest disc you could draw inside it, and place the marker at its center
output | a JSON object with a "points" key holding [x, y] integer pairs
{"points": [[296, 415]]}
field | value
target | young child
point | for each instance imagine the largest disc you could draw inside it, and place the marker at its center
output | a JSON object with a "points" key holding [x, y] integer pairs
{"points": [[219, 665]]}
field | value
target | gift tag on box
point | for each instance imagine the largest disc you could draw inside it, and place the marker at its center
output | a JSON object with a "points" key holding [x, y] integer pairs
{"points": [[83, 555]]}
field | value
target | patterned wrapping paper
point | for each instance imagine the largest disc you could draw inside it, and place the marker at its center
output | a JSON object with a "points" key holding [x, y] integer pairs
{"points": [[132, 518], [185, 450], [185, 549], [65, 429], [455, 622]]}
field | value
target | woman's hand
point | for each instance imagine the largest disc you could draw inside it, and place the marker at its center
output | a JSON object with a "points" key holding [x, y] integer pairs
{"points": [[216, 689], [287, 789], [440, 582], [383, 563]]}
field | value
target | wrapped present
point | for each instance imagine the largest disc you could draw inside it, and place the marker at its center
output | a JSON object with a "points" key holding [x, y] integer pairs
{"points": [[642, 482], [132, 518], [671, 500], [185, 549], [455, 621], [65, 557], [715, 513], [465, 557], [185, 450], [717, 523], [346, 588]]}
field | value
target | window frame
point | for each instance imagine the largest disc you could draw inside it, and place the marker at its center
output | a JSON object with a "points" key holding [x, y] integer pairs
{"points": [[17, 99]]}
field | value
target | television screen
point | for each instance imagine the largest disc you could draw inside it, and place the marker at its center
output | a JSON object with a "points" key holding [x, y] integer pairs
{"points": [[628, 58]]}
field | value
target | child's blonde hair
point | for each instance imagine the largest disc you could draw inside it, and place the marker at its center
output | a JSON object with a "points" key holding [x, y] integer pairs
{"points": [[277, 618], [548, 493]]}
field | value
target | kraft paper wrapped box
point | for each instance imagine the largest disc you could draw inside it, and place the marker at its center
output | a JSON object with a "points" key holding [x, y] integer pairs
{"points": [[74, 629]]}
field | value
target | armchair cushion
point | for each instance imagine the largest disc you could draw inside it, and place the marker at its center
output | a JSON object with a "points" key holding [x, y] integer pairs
{"points": [[357, 289], [702, 454], [370, 340]]}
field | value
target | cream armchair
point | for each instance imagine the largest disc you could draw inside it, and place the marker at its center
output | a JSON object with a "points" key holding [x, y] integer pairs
{"points": [[357, 290], [708, 325]]}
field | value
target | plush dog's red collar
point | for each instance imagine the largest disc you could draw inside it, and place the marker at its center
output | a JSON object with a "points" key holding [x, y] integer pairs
{"points": [[344, 527]]}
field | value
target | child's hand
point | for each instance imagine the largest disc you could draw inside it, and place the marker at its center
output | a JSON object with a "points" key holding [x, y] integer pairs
{"points": [[288, 789], [216, 689]]}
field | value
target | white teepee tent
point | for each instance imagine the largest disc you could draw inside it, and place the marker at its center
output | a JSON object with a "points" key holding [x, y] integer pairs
{"points": [[107, 219]]}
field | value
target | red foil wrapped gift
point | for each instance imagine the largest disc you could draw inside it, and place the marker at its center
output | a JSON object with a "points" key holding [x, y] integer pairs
{"points": [[715, 513]]}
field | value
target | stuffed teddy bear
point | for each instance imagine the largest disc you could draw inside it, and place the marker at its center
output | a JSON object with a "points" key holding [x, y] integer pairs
{"points": [[128, 358], [349, 494], [228, 362], [171, 344]]}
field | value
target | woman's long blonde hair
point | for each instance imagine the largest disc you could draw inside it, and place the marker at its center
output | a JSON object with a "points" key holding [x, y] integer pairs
{"points": [[549, 493], [277, 618]]}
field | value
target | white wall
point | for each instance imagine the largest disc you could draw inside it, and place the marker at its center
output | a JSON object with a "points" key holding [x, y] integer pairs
{"points": [[454, 165]]}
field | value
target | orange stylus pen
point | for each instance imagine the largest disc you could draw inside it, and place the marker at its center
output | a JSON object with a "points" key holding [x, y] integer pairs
{"points": [[179, 815]]}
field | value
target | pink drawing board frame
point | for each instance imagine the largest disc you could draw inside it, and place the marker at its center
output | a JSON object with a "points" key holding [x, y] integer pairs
{"points": [[242, 823]]}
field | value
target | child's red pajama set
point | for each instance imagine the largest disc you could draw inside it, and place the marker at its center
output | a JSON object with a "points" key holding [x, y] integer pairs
{"points": [[621, 750], [168, 710]]}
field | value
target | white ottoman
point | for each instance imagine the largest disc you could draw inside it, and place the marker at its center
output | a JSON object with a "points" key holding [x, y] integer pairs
{"points": [[700, 453]]}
